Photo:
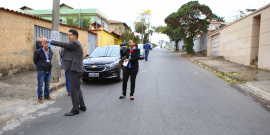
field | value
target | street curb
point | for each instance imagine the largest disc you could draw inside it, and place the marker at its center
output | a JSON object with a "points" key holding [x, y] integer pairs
{"points": [[263, 103], [258, 99], [235, 78], [57, 87]]}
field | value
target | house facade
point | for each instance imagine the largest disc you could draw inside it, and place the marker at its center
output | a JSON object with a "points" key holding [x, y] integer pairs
{"points": [[65, 11], [117, 27], [19, 32], [245, 41]]}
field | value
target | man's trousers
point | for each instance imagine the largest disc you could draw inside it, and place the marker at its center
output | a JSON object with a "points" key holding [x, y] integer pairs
{"points": [[75, 89]]}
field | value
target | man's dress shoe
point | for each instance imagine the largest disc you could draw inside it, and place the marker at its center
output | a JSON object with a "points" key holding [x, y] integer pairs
{"points": [[71, 113], [83, 108]]}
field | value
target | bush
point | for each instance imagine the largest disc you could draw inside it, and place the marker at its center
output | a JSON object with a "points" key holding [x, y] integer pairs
{"points": [[125, 37]]}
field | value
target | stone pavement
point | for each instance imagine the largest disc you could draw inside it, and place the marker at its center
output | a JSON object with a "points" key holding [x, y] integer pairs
{"points": [[22, 87], [257, 80]]}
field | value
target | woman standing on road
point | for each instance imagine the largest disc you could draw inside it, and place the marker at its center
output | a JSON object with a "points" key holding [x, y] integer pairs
{"points": [[132, 56]]}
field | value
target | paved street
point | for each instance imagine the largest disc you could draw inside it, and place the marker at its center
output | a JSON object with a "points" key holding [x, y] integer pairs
{"points": [[173, 96]]}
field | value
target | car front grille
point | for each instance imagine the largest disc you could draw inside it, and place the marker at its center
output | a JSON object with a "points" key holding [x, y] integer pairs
{"points": [[95, 68]]}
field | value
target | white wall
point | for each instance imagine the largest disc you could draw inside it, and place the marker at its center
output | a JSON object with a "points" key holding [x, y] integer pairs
{"points": [[200, 43]]}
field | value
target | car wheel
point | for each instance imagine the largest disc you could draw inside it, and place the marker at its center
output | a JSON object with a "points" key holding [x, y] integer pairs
{"points": [[120, 74]]}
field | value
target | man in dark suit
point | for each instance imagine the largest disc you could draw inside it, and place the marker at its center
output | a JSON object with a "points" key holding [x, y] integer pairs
{"points": [[73, 63]]}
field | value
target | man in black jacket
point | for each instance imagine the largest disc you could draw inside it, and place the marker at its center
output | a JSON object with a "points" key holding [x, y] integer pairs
{"points": [[42, 58], [38, 45]]}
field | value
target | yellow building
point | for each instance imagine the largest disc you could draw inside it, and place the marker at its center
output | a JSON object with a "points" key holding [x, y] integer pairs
{"points": [[105, 38]]}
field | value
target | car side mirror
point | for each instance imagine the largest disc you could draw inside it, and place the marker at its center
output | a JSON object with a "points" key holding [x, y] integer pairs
{"points": [[87, 55]]}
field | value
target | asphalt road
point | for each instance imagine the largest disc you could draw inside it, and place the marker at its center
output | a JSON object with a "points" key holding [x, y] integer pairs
{"points": [[173, 96]]}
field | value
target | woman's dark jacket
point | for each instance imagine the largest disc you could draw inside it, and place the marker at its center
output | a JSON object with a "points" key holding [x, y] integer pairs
{"points": [[135, 56]]}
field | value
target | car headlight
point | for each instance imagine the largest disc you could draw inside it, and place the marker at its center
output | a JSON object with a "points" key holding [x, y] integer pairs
{"points": [[112, 65]]}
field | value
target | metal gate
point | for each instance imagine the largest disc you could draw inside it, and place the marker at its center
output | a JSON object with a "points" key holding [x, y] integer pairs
{"points": [[38, 31], [215, 45], [91, 42]]}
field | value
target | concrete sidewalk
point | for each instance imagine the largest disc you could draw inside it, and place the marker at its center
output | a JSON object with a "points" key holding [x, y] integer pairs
{"points": [[19, 88], [257, 81]]}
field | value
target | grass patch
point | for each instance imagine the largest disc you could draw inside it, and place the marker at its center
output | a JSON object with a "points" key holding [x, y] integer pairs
{"points": [[233, 73], [222, 75]]}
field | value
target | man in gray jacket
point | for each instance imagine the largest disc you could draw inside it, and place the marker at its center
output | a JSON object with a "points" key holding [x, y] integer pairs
{"points": [[73, 63]]}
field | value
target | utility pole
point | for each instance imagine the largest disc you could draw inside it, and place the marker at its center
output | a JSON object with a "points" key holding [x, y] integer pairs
{"points": [[142, 25], [79, 19], [55, 36], [142, 31]]}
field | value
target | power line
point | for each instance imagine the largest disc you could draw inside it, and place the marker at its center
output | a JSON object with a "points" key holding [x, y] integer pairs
{"points": [[118, 11]]}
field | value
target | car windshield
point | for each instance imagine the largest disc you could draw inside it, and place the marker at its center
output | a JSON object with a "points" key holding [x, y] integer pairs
{"points": [[105, 52], [140, 46]]}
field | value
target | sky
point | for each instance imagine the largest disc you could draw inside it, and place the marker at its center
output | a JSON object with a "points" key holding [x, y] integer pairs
{"points": [[126, 10]]}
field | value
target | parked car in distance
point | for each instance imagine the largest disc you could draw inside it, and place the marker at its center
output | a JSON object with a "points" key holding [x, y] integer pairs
{"points": [[151, 46], [103, 63], [142, 52]]}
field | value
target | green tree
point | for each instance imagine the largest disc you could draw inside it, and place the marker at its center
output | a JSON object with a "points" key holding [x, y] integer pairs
{"points": [[139, 27], [73, 20], [142, 24], [121, 29], [154, 45], [158, 29], [174, 33], [128, 35], [218, 18], [239, 14], [191, 19], [147, 35], [250, 10]]}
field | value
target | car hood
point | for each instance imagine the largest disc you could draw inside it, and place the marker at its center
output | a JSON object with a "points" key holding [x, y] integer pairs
{"points": [[100, 60]]}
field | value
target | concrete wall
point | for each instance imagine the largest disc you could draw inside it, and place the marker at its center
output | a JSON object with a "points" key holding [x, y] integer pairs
{"points": [[180, 45], [17, 41], [200, 44], [245, 39], [264, 39]]}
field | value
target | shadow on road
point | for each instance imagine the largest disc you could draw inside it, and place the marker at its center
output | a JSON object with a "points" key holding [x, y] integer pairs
{"points": [[100, 82]]}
